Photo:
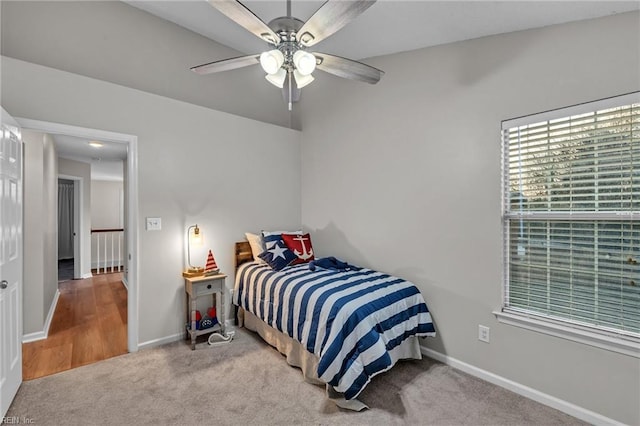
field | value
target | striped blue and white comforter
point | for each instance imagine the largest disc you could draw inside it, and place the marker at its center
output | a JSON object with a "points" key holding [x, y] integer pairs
{"points": [[349, 319]]}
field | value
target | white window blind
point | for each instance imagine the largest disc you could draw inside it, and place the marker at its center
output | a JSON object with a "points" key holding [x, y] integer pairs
{"points": [[571, 210]]}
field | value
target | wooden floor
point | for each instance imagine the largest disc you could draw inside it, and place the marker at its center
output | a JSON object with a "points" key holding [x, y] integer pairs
{"points": [[89, 325]]}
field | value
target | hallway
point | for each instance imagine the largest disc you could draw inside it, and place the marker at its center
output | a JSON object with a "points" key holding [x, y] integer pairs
{"points": [[89, 325]]}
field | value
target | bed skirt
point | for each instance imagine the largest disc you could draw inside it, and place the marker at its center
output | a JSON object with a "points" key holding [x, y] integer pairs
{"points": [[298, 356]]}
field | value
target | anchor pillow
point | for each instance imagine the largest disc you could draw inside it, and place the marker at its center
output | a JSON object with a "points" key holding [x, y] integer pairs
{"points": [[301, 246]]}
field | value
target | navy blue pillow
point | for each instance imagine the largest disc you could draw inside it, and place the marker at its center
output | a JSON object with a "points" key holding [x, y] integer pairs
{"points": [[277, 255]]}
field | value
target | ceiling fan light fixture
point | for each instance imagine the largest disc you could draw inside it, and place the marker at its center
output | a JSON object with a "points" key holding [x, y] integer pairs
{"points": [[290, 39], [271, 61], [278, 78], [302, 79], [304, 62]]}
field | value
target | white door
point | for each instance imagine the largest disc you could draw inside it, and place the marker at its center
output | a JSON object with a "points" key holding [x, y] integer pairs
{"points": [[10, 261]]}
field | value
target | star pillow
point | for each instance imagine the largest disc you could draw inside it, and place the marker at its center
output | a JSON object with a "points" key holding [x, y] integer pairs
{"points": [[277, 255], [300, 245]]}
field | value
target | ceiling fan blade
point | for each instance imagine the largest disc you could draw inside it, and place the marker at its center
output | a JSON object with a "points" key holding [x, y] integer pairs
{"points": [[332, 16], [226, 64], [346, 68], [244, 17]]}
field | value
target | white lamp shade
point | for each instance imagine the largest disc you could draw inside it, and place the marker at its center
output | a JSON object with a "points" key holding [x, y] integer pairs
{"points": [[278, 78], [194, 239], [271, 61], [195, 236], [305, 62], [301, 79]]}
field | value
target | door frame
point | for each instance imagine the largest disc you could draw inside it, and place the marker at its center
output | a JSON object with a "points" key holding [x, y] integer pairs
{"points": [[131, 277]]}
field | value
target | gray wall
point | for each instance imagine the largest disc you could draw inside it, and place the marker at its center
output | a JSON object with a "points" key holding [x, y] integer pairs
{"points": [[106, 204], [40, 280], [107, 212], [405, 176], [81, 170], [50, 220], [195, 165], [112, 41]]}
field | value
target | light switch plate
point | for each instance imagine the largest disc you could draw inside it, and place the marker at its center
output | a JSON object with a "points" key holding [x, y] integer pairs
{"points": [[154, 224]]}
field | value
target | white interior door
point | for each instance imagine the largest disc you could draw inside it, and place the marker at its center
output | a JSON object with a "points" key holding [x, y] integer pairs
{"points": [[10, 261]]}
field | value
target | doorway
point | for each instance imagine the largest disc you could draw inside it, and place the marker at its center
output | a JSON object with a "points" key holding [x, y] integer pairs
{"points": [[66, 230], [130, 273]]}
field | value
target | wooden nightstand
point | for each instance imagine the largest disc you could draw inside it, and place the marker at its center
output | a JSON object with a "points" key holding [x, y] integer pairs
{"points": [[205, 286]]}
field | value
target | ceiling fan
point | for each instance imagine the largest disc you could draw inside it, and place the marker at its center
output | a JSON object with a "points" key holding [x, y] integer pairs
{"points": [[290, 38]]}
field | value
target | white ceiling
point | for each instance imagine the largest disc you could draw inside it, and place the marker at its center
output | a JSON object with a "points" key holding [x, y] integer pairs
{"points": [[106, 161], [389, 26]]}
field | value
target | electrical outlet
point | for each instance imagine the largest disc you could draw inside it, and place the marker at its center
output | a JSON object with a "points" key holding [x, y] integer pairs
{"points": [[483, 333]]}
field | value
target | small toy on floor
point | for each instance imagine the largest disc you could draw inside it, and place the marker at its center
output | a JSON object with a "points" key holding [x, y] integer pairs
{"points": [[221, 338]]}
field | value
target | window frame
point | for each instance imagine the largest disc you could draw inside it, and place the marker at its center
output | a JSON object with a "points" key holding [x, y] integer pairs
{"points": [[610, 340]]}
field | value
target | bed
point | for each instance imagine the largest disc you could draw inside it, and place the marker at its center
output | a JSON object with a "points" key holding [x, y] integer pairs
{"points": [[340, 327]]}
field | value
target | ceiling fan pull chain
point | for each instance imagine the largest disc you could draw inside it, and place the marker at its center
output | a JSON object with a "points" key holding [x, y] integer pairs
{"points": [[290, 93]]}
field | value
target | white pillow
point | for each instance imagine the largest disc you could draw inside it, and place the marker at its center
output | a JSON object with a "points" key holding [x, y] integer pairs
{"points": [[270, 237], [269, 233], [257, 245]]}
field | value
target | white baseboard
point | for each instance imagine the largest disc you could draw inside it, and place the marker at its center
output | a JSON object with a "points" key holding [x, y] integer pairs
{"points": [[161, 341], [41, 335], [228, 324], [52, 310], [541, 397], [85, 276], [125, 282], [33, 337]]}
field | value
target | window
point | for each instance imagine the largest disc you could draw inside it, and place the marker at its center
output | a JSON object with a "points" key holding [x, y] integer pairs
{"points": [[571, 212]]}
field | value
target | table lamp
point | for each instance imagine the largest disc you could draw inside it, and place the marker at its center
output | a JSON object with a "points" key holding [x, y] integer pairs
{"points": [[194, 238]]}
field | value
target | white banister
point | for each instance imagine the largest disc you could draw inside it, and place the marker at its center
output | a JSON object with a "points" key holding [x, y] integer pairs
{"points": [[97, 236], [112, 251], [104, 263], [105, 260]]}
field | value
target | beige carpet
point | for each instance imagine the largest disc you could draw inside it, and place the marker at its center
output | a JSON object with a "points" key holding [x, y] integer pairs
{"points": [[248, 382]]}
